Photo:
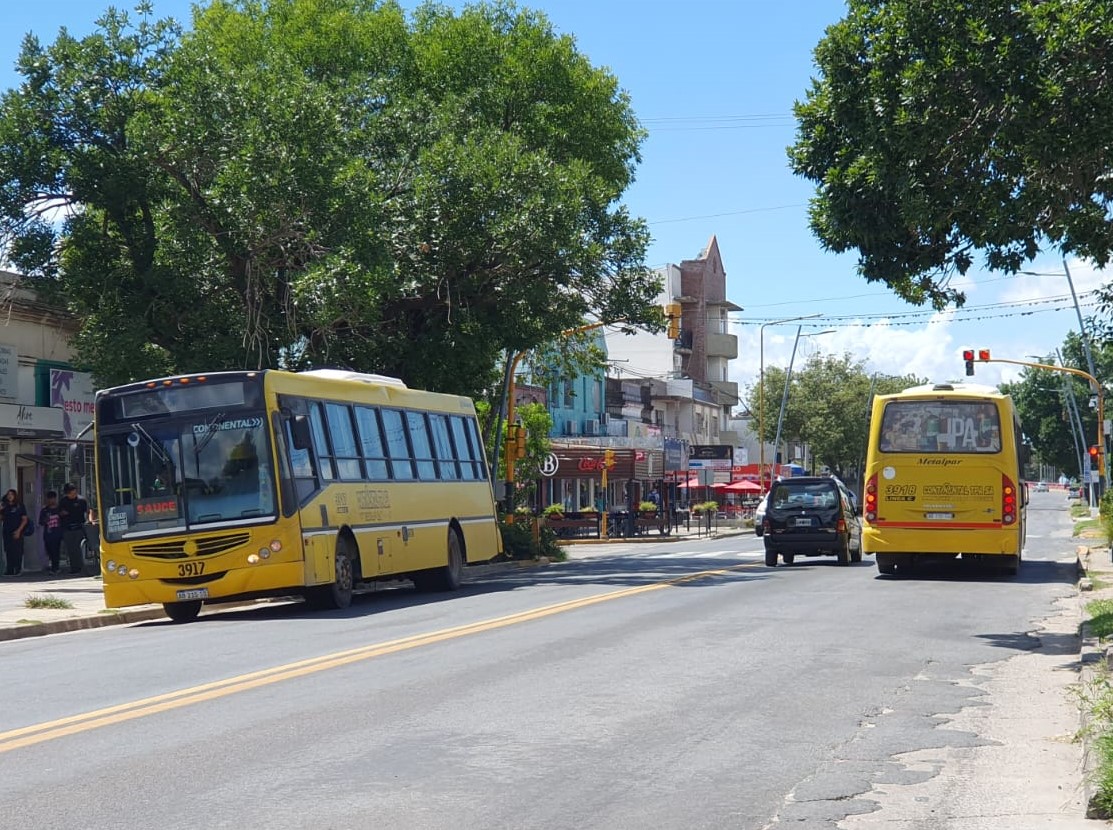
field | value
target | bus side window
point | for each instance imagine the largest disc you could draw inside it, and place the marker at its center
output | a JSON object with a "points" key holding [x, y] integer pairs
{"points": [[446, 456], [286, 492], [371, 443], [423, 449], [395, 432], [301, 466], [321, 442], [464, 451]]}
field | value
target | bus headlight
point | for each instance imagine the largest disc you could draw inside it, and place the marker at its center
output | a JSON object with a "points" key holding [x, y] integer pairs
{"points": [[122, 569], [264, 553], [253, 559], [276, 545], [134, 573], [110, 565]]}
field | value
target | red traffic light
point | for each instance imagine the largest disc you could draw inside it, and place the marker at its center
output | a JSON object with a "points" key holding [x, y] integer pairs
{"points": [[983, 354], [967, 354], [1094, 451]]}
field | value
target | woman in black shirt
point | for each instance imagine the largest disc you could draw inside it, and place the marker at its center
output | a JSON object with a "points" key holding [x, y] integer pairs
{"points": [[15, 521]]}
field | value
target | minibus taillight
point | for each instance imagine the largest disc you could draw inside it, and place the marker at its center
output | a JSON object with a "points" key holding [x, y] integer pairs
{"points": [[1008, 501], [871, 499]]}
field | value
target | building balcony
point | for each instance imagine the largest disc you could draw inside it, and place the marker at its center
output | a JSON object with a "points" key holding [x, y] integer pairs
{"points": [[722, 345], [728, 391]]}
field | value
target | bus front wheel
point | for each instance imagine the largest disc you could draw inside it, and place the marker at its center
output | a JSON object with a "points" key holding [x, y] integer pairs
{"points": [[181, 612], [337, 594]]}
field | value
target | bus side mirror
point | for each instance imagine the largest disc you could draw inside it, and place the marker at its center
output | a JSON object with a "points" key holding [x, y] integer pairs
{"points": [[299, 432], [75, 460]]}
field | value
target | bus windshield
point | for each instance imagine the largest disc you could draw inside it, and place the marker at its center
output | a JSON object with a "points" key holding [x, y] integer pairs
{"points": [[950, 426], [173, 474]]}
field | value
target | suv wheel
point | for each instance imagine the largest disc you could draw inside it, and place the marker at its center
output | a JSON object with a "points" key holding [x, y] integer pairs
{"points": [[844, 552], [789, 558], [770, 558]]}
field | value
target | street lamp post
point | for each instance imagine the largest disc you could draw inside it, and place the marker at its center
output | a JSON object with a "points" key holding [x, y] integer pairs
{"points": [[1085, 345], [788, 378], [761, 389]]}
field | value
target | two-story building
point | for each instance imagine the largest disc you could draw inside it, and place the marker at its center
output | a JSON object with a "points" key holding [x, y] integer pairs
{"points": [[44, 403]]}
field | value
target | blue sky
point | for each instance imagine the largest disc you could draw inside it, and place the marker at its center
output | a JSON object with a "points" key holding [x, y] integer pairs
{"points": [[714, 82]]}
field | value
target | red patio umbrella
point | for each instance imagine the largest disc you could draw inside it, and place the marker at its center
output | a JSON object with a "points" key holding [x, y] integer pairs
{"points": [[692, 482], [743, 487]]}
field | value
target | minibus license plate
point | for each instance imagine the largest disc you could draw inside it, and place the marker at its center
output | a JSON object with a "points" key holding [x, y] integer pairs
{"points": [[197, 593], [805, 522], [938, 516]]}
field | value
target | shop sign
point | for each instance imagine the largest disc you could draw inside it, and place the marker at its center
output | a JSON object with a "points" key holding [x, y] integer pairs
{"points": [[30, 421], [73, 393], [9, 371]]}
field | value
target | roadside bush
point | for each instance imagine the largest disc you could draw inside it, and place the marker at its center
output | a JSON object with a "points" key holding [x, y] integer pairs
{"points": [[517, 541], [1105, 511]]}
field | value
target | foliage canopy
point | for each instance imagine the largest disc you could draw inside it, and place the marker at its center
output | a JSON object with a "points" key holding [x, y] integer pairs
{"points": [[941, 129], [297, 183]]}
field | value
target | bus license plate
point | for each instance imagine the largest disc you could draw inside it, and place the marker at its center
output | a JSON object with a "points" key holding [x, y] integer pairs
{"points": [[939, 516], [197, 593]]}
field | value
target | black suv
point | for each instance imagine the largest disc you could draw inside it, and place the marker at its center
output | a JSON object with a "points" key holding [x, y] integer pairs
{"points": [[811, 516]]}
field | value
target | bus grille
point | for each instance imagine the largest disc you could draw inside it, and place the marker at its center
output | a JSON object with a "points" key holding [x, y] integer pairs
{"points": [[185, 548]]}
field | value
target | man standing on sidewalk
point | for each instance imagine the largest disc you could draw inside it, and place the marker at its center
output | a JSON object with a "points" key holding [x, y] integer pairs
{"points": [[73, 510]]}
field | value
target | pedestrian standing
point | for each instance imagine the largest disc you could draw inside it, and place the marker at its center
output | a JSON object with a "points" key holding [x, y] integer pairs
{"points": [[15, 521], [50, 520], [73, 510]]}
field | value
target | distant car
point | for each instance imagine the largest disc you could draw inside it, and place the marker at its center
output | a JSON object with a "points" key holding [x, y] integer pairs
{"points": [[759, 514], [811, 516], [1041, 487]]}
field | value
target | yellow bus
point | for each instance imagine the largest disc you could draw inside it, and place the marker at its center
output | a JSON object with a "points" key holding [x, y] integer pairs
{"points": [[235, 485], [943, 478]]}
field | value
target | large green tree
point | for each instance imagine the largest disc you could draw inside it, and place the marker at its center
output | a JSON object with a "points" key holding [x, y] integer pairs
{"points": [[938, 131], [310, 182]]}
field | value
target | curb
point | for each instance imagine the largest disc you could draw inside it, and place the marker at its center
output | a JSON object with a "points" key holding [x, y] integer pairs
{"points": [[80, 623], [1091, 657]]}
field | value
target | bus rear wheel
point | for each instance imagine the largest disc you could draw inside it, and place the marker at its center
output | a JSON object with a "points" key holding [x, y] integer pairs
{"points": [[886, 563], [181, 612], [448, 577]]}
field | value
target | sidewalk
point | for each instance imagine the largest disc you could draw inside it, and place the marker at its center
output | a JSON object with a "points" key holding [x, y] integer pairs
{"points": [[82, 593], [86, 599]]}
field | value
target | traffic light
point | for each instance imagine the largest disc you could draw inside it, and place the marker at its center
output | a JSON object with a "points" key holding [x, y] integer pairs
{"points": [[608, 458], [672, 315], [515, 441], [1095, 454], [968, 356]]}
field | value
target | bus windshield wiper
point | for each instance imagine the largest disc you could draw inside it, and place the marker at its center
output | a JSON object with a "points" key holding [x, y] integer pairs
{"points": [[158, 448], [209, 433]]}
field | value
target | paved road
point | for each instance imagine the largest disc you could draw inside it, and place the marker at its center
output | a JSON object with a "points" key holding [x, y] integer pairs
{"points": [[666, 686]]}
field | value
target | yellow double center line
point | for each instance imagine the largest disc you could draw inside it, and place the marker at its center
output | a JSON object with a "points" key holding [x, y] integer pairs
{"points": [[38, 733]]}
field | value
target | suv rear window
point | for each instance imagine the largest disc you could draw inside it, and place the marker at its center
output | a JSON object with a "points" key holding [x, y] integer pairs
{"points": [[816, 494]]}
